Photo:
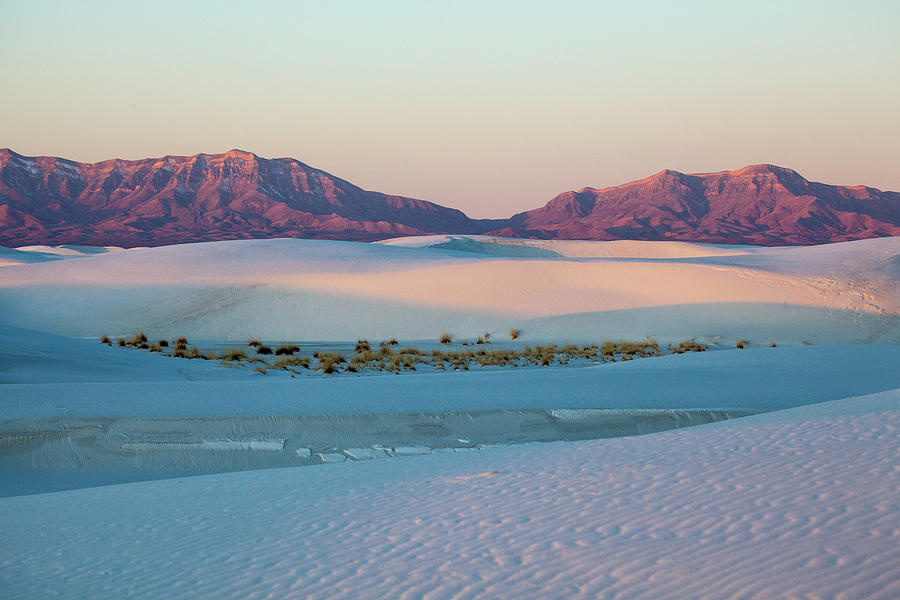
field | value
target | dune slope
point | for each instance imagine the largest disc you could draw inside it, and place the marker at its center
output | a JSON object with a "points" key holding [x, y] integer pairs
{"points": [[798, 503], [306, 289]]}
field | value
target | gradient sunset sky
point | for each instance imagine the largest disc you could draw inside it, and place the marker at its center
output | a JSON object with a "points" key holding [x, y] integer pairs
{"points": [[489, 107]]}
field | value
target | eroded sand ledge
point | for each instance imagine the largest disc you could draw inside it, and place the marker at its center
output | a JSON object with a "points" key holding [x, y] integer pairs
{"points": [[46, 455]]}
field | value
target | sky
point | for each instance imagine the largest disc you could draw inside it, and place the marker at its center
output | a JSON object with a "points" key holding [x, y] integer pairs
{"points": [[489, 107]]}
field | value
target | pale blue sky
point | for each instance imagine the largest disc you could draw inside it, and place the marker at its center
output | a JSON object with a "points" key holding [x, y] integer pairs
{"points": [[490, 107]]}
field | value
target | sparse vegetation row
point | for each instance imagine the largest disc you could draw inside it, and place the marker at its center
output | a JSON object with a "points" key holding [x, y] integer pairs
{"points": [[388, 357]]}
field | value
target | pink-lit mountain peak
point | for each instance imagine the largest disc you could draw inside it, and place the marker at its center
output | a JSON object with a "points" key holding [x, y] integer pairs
{"points": [[759, 204], [238, 194]]}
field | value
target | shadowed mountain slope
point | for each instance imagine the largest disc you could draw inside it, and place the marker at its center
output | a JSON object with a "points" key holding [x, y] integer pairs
{"points": [[176, 199], [760, 204], [169, 200]]}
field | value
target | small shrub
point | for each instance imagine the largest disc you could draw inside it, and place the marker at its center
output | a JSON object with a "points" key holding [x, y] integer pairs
{"points": [[362, 346], [773, 345], [138, 340], [292, 361], [329, 362], [182, 341], [392, 342], [163, 343], [253, 343], [690, 345], [232, 355], [105, 340], [182, 352], [263, 349], [513, 334], [742, 344], [446, 338], [121, 342], [286, 350]]}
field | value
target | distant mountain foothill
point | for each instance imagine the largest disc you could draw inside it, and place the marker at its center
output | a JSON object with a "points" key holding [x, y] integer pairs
{"points": [[236, 195]]}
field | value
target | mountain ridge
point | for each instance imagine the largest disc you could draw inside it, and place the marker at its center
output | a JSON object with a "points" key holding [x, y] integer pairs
{"points": [[174, 199], [238, 194], [758, 204]]}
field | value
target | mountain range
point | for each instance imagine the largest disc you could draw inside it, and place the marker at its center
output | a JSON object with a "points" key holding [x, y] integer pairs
{"points": [[178, 199]]}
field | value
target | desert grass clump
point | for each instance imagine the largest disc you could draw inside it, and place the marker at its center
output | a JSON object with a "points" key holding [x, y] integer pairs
{"points": [[514, 334], [366, 358], [291, 361], [163, 343], [121, 342], [260, 370], [629, 349], [446, 338], [233, 355], [104, 339], [261, 349], [741, 344], [253, 343], [497, 358], [180, 347], [183, 352], [608, 351], [138, 340], [362, 346], [690, 345], [287, 350], [773, 345], [329, 362]]}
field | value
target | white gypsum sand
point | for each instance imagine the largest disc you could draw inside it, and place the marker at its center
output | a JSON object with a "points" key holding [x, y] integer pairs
{"points": [[305, 289], [796, 503], [801, 501]]}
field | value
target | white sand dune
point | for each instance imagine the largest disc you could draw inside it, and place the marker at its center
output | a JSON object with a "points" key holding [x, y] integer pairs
{"points": [[31, 254], [70, 250], [525, 248], [33, 357], [79, 414], [798, 503], [417, 288], [803, 501], [44, 376]]}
